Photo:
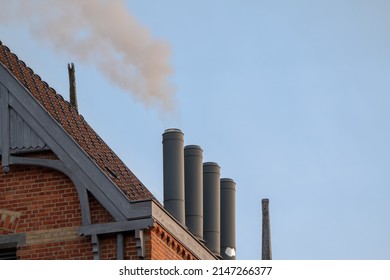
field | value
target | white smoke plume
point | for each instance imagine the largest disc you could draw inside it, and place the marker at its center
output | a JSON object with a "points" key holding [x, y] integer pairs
{"points": [[104, 34]]}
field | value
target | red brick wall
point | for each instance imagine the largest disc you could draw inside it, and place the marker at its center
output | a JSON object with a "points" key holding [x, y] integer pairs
{"points": [[163, 246], [45, 199], [43, 203], [72, 250], [98, 213], [108, 247], [130, 247], [159, 245]]}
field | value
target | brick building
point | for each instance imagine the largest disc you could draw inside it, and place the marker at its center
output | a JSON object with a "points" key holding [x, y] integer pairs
{"points": [[64, 194]]}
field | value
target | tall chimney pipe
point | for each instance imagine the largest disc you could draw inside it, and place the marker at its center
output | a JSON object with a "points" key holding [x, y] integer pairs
{"points": [[211, 204], [193, 170], [173, 170], [266, 252], [72, 86], [228, 219]]}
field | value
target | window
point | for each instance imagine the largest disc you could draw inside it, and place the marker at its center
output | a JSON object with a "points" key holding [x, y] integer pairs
{"points": [[9, 244], [8, 251]]}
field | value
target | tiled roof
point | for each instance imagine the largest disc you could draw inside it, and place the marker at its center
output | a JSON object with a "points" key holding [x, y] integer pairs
{"points": [[75, 125]]}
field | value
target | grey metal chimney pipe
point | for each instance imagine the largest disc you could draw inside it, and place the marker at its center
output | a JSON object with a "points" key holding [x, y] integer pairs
{"points": [[193, 170], [228, 219], [211, 206], [266, 251], [173, 170]]}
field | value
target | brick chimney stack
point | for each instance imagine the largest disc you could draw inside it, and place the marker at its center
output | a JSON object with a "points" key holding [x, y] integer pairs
{"points": [[266, 253]]}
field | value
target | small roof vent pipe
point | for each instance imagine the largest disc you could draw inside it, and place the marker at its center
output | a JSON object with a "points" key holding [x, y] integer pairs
{"points": [[228, 219], [211, 206], [266, 252], [72, 86], [173, 171], [193, 170]]}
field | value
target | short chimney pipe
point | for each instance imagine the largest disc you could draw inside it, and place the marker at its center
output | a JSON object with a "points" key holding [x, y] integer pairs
{"points": [[173, 173], [193, 170], [211, 206], [228, 219]]}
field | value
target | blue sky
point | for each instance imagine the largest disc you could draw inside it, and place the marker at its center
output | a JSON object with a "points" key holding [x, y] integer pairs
{"points": [[291, 98]]}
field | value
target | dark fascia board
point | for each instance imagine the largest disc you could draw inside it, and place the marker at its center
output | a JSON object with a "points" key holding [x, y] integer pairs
{"points": [[67, 150]]}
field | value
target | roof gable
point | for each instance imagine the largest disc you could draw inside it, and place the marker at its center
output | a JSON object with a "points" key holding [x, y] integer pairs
{"points": [[76, 127]]}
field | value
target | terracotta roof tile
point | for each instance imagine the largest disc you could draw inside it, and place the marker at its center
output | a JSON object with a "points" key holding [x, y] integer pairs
{"points": [[75, 125]]}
